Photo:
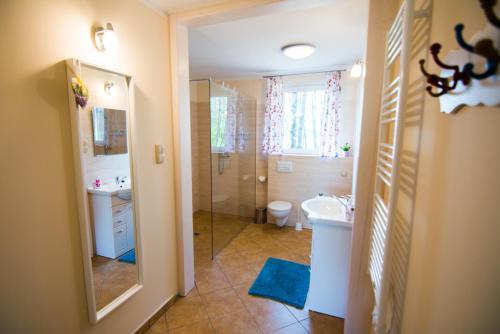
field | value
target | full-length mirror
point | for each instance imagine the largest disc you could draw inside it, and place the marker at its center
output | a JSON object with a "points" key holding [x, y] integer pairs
{"points": [[101, 108]]}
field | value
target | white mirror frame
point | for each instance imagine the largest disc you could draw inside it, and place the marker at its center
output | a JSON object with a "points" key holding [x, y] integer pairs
{"points": [[73, 67]]}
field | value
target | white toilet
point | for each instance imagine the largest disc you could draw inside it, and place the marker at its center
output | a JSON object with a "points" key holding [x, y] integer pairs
{"points": [[280, 211]]}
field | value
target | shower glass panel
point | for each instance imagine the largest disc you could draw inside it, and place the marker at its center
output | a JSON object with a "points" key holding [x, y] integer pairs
{"points": [[223, 165], [232, 138], [201, 171]]}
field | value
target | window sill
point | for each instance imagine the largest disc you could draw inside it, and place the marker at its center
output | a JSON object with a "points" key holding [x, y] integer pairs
{"points": [[297, 154], [306, 155]]}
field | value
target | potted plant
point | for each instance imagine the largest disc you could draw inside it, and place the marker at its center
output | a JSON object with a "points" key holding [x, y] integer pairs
{"points": [[80, 90], [345, 149]]}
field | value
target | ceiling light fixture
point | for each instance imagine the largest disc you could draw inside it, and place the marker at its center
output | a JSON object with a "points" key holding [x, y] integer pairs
{"points": [[357, 69], [109, 87], [106, 39], [298, 51]]}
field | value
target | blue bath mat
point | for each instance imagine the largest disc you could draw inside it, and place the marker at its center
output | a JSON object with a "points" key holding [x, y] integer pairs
{"points": [[128, 257], [284, 281]]}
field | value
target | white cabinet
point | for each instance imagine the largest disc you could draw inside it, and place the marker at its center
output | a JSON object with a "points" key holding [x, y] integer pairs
{"points": [[113, 225], [330, 256]]}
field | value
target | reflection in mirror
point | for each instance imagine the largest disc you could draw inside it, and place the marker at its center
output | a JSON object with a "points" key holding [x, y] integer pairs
{"points": [[106, 190], [107, 175], [110, 131]]}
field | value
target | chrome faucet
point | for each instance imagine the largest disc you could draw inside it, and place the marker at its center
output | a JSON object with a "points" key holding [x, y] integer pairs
{"points": [[346, 201], [120, 180]]}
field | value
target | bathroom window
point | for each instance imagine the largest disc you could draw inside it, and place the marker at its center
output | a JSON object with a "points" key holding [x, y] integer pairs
{"points": [[302, 111], [98, 119], [218, 120]]}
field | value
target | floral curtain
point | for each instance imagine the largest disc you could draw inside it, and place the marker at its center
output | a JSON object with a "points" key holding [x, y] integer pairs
{"points": [[242, 128], [223, 122], [273, 117], [230, 131], [218, 118], [330, 121]]}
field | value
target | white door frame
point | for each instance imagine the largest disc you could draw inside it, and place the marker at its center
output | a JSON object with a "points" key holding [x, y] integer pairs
{"points": [[179, 22]]}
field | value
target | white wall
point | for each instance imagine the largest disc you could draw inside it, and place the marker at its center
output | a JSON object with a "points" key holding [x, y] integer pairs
{"points": [[453, 283], [42, 285]]}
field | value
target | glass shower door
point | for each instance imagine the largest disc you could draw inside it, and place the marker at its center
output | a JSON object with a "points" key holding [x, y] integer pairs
{"points": [[232, 138], [223, 166], [201, 171]]}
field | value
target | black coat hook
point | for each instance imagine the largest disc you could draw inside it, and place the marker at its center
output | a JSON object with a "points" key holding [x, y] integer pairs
{"points": [[444, 84], [487, 6], [482, 48]]}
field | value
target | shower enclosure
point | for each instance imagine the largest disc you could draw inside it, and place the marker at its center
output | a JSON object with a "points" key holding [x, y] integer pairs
{"points": [[223, 165]]}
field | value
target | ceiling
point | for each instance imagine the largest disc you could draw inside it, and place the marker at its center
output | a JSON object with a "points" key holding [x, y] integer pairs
{"points": [[167, 6], [252, 46]]}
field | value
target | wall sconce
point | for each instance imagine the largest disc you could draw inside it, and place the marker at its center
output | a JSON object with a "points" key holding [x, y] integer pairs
{"points": [[106, 39], [109, 87], [357, 69]]}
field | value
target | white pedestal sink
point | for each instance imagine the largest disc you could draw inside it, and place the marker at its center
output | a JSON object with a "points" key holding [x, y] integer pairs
{"points": [[111, 189], [326, 210], [330, 255], [121, 190]]}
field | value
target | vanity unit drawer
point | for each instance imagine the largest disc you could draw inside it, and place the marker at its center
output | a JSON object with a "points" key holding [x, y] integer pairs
{"points": [[120, 239], [117, 221], [115, 200], [120, 210]]}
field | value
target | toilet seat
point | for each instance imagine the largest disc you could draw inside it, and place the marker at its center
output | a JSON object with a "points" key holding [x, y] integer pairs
{"points": [[280, 205]]}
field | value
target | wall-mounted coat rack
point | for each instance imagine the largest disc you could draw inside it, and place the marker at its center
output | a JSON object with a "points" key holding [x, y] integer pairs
{"points": [[487, 6], [468, 75], [483, 48], [444, 84]]}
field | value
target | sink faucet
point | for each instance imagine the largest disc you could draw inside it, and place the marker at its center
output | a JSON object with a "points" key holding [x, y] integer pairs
{"points": [[120, 180], [346, 201]]}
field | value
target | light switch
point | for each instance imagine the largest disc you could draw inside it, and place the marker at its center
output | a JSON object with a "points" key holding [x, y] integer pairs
{"points": [[284, 167], [159, 154]]}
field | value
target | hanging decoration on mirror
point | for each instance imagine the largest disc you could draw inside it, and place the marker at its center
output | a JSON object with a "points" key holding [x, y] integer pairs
{"points": [[468, 75], [80, 90]]}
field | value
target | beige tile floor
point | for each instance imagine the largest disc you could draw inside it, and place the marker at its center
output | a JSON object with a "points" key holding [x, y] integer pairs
{"points": [[220, 302], [111, 279], [225, 228]]}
